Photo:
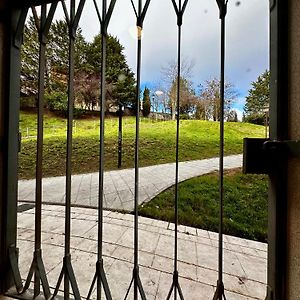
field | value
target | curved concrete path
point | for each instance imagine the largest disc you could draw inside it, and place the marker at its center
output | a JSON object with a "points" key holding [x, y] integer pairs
{"points": [[119, 184]]}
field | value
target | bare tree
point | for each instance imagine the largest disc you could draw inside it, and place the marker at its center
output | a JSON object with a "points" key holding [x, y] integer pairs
{"points": [[187, 97], [87, 91], [209, 99], [169, 82]]}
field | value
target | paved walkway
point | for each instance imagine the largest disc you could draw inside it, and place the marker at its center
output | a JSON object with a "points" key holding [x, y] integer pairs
{"points": [[245, 261], [119, 184]]}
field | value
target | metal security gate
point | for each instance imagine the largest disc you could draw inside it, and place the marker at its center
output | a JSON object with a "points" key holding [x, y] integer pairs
{"points": [[44, 16]]}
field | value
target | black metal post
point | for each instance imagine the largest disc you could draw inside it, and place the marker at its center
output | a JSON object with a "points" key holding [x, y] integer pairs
{"points": [[100, 277], [136, 281], [219, 293], [175, 287], [10, 63], [67, 271], [120, 137], [37, 268], [277, 206]]}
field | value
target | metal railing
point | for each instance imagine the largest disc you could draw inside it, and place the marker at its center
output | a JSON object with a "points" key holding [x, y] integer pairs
{"points": [[67, 277]]}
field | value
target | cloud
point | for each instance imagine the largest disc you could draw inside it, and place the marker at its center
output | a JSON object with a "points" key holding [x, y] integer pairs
{"points": [[247, 37]]}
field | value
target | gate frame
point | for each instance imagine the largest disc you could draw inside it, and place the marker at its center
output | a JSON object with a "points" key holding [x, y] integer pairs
{"points": [[9, 124], [277, 202], [9, 139]]}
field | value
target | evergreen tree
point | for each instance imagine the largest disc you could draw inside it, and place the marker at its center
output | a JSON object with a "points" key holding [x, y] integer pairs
{"points": [[120, 81], [146, 102], [30, 59], [57, 57], [257, 101], [232, 116]]}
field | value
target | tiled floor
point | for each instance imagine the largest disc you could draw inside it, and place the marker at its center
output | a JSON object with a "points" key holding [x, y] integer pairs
{"points": [[245, 261]]}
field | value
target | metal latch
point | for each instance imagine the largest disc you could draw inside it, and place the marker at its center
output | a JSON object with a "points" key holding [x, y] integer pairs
{"points": [[260, 156]]}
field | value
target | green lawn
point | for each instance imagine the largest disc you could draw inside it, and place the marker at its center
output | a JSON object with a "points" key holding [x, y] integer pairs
{"points": [[198, 140], [245, 204]]}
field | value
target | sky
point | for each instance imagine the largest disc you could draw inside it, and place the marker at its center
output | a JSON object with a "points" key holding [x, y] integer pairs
{"points": [[247, 39]]}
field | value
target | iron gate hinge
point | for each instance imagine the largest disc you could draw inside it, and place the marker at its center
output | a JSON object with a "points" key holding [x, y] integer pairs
{"points": [[260, 156]]}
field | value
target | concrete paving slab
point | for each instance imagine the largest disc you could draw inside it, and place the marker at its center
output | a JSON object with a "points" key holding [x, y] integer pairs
{"points": [[244, 268]]}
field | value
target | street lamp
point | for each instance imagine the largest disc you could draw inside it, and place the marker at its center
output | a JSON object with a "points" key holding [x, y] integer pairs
{"points": [[159, 93], [121, 109]]}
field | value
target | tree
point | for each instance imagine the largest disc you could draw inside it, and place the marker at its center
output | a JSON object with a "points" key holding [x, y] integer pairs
{"points": [[169, 84], [257, 101], [57, 57], [121, 84], [232, 116], [187, 98], [201, 110], [208, 105], [146, 102], [30, 59], [86, 87], [120, 80], [58, 48]]}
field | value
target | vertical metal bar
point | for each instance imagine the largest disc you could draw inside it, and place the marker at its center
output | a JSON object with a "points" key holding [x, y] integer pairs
{"points": [[100, 277], [137, 284], [221, 158], [219, 293], [175, 287], [177, 149], [102, 130], [37, 268], [39, 153], [69, 143], [277, 206], [136, 156], [179, 23], [67, 270], [120, 137]]}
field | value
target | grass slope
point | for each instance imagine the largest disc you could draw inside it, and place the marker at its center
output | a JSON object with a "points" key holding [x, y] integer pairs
{"points": [[245, 204], [198, 140]]}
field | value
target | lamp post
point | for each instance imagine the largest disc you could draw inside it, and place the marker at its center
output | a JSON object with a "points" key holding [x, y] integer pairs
{"points": [[121, 108], [153, 105], [266, 111]]}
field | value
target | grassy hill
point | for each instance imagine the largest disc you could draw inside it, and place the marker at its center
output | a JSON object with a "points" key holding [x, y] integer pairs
{"points": [[198, 140]]}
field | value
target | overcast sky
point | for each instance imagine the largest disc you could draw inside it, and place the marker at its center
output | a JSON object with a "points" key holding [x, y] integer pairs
{"points": [[247, 41]]}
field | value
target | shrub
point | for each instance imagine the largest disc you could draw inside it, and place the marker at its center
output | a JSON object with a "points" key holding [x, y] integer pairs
{"points": [[57, 101], [258, 119], [27, 102]]}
